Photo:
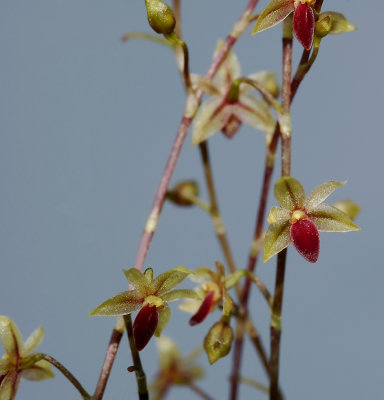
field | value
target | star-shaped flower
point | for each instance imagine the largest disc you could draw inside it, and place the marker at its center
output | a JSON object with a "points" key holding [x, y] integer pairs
{"points": [[230, 105], [174, 369], [299, 218], [18, 362], [151, 297]]}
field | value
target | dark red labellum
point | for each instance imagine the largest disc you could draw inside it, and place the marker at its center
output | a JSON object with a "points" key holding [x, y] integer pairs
{"points": [[203, 310], [145, 325], [305, 237], [304, 24], [231, 127]]}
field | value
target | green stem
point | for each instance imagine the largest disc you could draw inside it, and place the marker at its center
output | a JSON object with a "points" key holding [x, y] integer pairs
{"points": [[138, 368], [146, 36], [84, 394]]}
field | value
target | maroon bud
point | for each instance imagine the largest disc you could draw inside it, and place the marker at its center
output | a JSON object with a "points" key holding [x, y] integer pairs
{"points": [[231, 127], [304, 24], [203, 310], [145, 325], [305, 237]]}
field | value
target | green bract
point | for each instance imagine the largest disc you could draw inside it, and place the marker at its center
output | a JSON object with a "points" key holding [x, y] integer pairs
{"points": [[18, 362], [220, 112], [146, 290], [295, 206]]}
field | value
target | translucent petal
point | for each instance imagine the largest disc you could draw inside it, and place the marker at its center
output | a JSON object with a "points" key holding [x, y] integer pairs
{"points": [[9, 386], [190, 306], [164, 318], [169, 353], [33, 341], [10, 337], [206, 85], [168, 280], [275, 12], [290, 193], [211, 117], [232, 279], [266, 79], [137, 279], [38, 372], [4, 366], [330, 219], [254, 112], [278, 214], [276, 239], [229, 70], [320, 193], [348, 207], [121, 304], [178, 294]]}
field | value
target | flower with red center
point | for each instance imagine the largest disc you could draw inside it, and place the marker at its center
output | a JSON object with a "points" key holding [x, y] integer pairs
{"points": [[303, 18], [230, 105], [151, 297], [300, 218], [18, 362]]}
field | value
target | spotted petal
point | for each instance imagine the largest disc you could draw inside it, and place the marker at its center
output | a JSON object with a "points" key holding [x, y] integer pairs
{"points": [[289, 193], [10, 337], [4, 366], [330, 219], [319, 194], [137, 279], [276, 239], [121, 304], [275, 12], [254, 112], [212, 116], [178, 294], [278, 214]]}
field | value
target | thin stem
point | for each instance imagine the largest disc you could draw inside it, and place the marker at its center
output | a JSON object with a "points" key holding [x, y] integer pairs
{"points": [[109, 359], [146, 36], [177, 14], [261, 286], [84, 394], [138, 368], [199, 391], [253, 383], [282, 256]]}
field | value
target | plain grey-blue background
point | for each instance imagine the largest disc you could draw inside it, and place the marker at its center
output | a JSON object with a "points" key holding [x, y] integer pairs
{"points": [[86, 123]]}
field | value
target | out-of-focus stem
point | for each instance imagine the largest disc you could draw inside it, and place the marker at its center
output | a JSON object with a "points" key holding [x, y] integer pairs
{"points": [[177, 14], [199, 391], [138, 368], [109, 359]]}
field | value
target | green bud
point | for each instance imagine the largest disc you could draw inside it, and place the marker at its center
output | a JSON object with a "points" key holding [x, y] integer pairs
{"points": [[323, 26], [339, 24], [218, 341], [160, 16], [183, 193]]}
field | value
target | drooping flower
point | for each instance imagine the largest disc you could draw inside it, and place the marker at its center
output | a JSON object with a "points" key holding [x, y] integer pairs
{"points": [[18, 362], [212, 293], [174, 369], [230, 105], [300, 218], [151, 297]]}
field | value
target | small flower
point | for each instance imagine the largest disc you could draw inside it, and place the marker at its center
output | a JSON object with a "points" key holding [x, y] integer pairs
{"points": [[174, 369], [212, 293], [151, 297], [300, 218], [18, 362], [229, 106]]}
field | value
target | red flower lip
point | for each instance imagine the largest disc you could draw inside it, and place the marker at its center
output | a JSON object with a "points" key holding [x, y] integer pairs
{"points": [[304, 24], [305, 237], [203, 310], [145, 325]]}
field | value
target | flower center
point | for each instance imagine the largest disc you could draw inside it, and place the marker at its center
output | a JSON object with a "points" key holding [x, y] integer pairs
{"points": [[309, 2], [297, 215], [154, 301]]}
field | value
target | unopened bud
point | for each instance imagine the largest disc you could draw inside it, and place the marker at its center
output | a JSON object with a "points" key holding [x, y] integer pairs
{"points": [[183, 193], [218, 341], [160, 16], [323, 26]]}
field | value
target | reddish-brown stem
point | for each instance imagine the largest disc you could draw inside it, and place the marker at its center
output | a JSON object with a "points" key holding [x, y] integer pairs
{"points": [[177, 13], [108, 363], [199, 391]]}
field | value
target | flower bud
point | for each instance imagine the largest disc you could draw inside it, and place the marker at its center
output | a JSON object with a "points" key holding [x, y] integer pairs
{"points": [[218, 341], [182, 193], [323, 26], [160, 16]]}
